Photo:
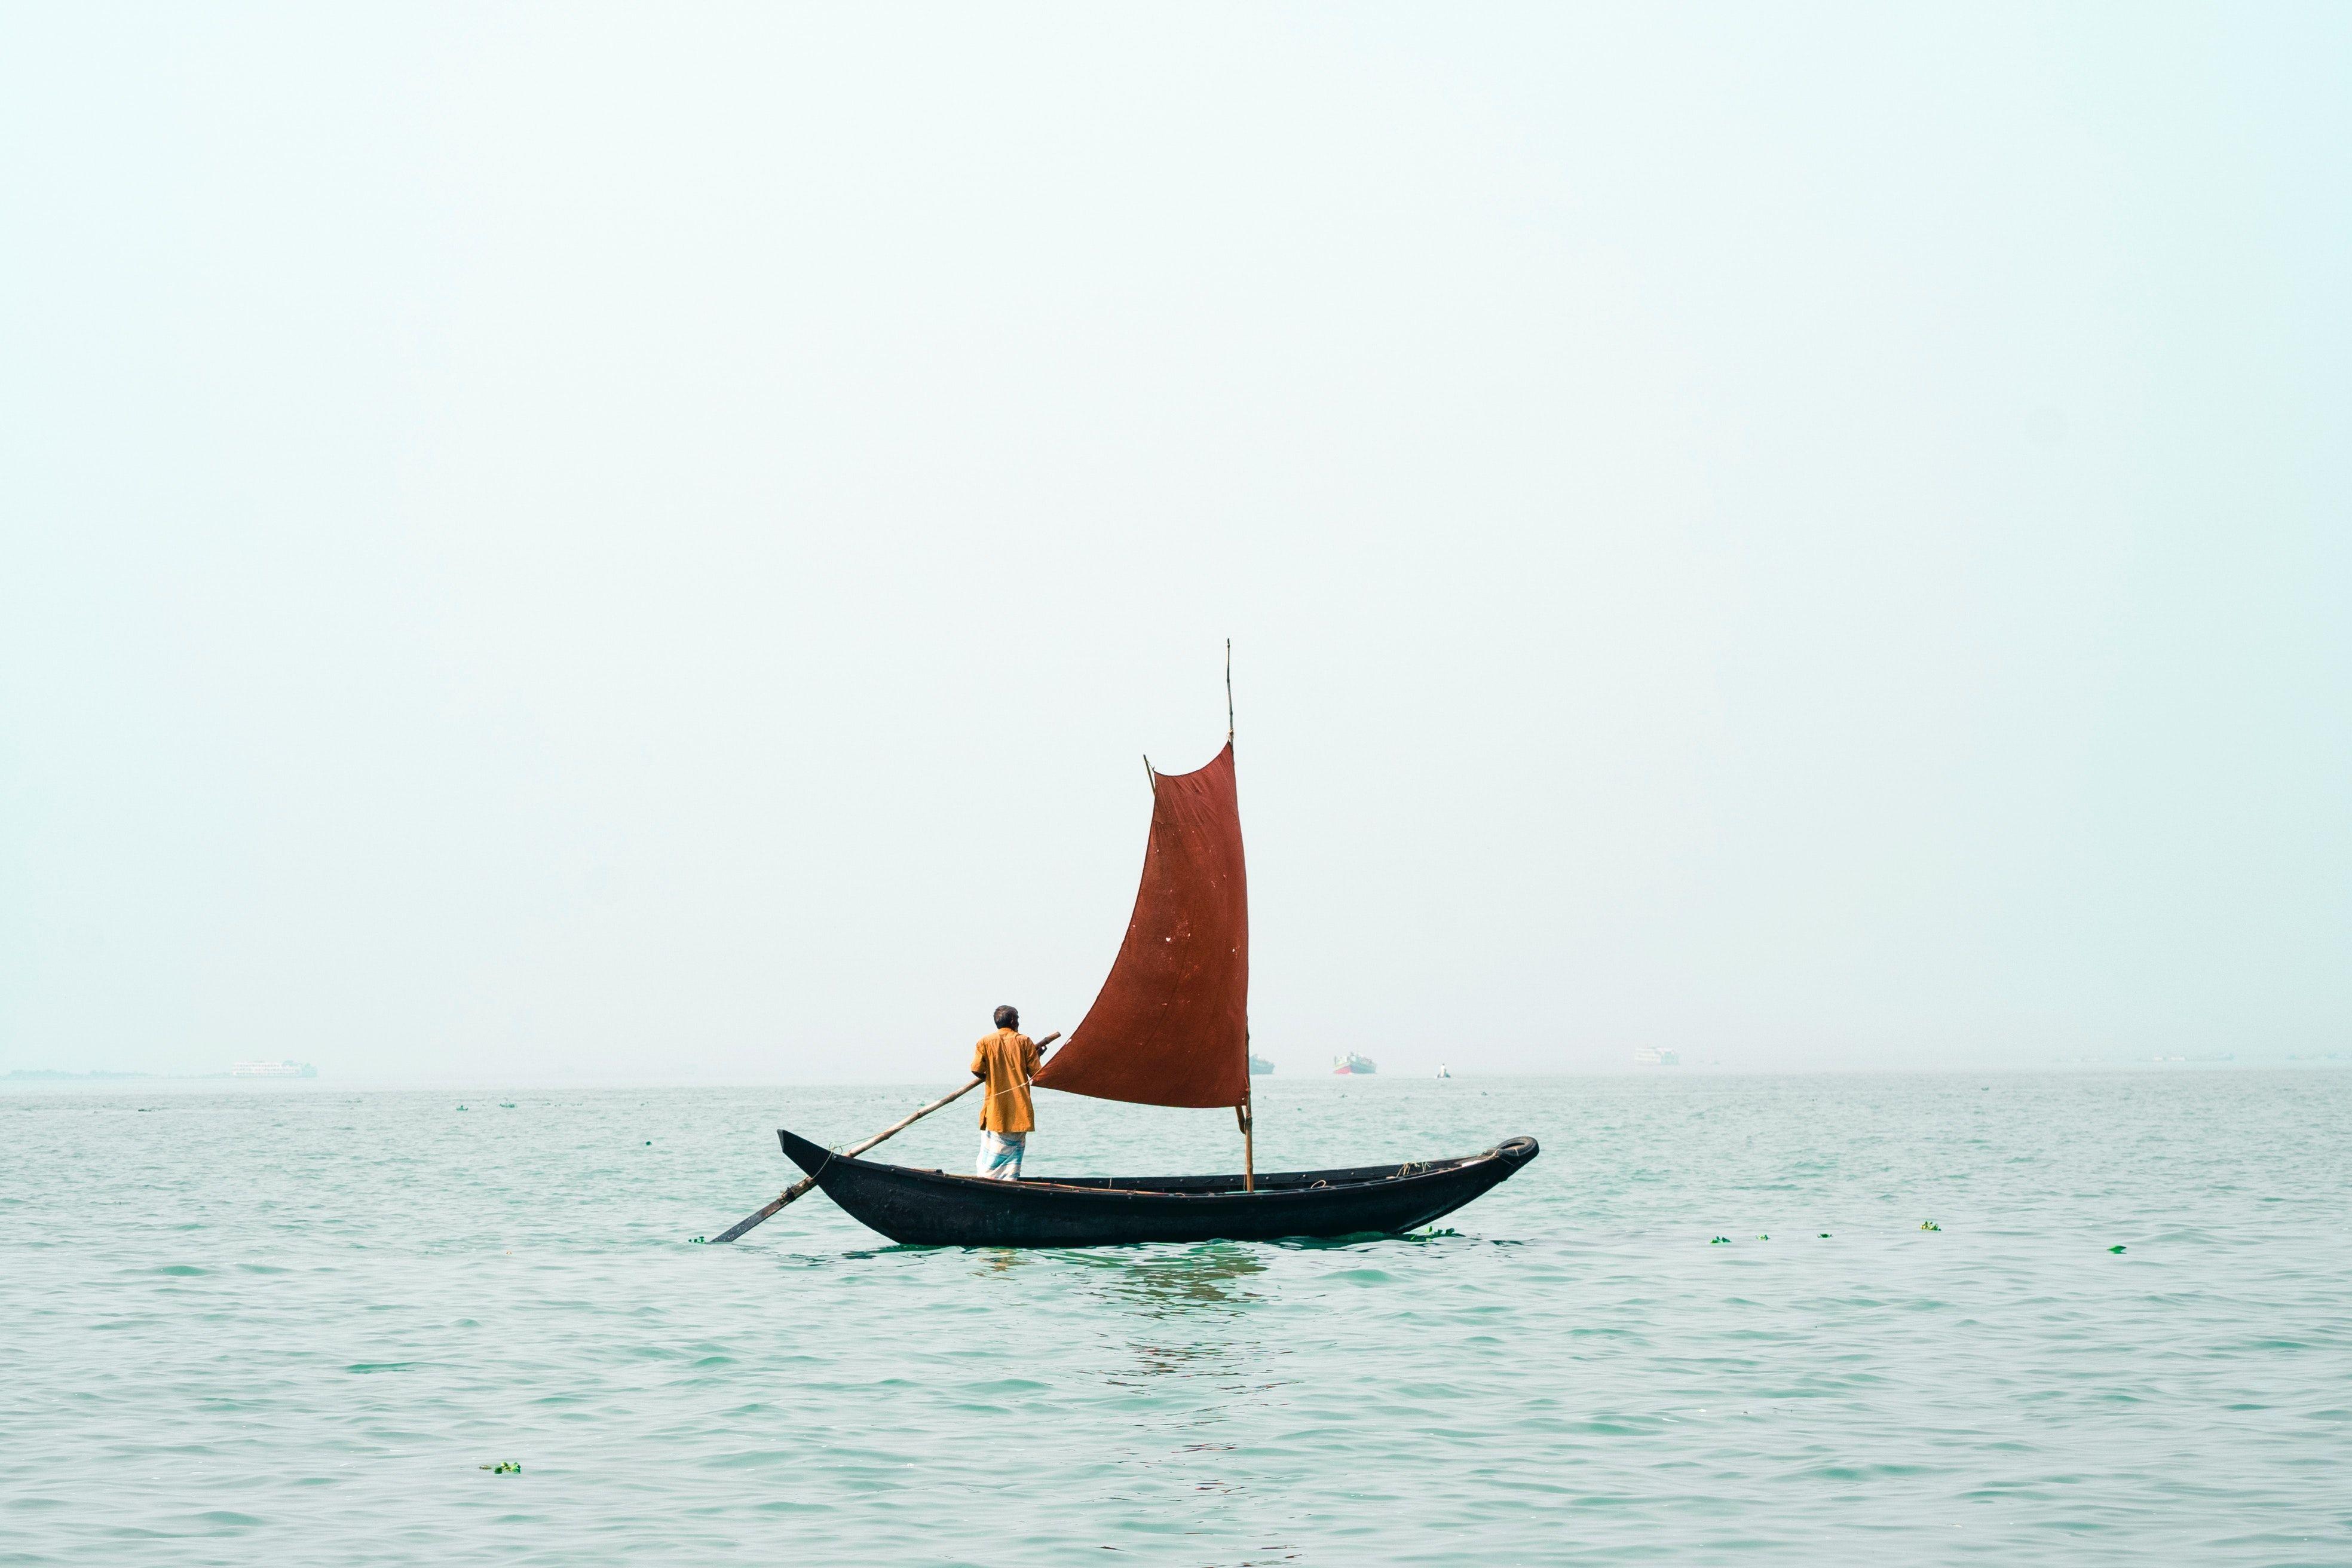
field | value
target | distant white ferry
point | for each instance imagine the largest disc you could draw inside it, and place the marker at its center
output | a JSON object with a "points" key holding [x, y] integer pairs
{"points": [[1443, 1071], [273, 1069], [1655, 1056]]}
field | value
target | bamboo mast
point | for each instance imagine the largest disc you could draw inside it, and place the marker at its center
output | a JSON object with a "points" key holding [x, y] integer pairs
{"points": [[1242, 1112], [1249, 1157]]}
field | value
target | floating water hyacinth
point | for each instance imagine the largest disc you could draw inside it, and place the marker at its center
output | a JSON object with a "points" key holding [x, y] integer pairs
{"points": [[1930, 1224], [1825, 1236], [2115, 1249], [1720, 1241], [503, 1467]]}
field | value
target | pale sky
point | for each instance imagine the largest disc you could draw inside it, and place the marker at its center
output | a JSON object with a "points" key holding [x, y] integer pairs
{"points": [[653, 542]]}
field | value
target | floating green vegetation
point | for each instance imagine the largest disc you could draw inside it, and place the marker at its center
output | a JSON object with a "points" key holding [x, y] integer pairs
{"points": [[1930, 1224], [1825, 1236], [1720, 1241], [2115, 1249], [503, 1467]]}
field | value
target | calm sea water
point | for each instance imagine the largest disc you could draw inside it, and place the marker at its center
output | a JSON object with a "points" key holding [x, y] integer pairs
{"points": [[290, 1326]]}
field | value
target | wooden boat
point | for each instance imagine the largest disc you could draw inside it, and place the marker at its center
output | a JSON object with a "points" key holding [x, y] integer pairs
{"points": [[937, 1208], [1171, 1026]]}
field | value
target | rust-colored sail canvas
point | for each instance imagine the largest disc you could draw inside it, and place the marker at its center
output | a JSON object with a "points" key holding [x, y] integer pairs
{"points": [[1172, 1024]]}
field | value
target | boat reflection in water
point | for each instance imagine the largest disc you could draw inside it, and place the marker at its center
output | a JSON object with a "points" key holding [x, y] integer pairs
{"points": [[1180, 1314], [1159, 1284], [1211, 1278]]}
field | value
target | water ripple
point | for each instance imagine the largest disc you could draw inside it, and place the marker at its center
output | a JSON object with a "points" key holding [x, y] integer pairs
{"points": [[270, 1327]]}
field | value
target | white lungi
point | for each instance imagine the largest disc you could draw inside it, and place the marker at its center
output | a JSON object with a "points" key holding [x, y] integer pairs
{"points": [[1000, 1155]]}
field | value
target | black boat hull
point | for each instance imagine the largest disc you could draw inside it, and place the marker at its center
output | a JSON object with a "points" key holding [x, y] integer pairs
{"points": [[934, 1208]]}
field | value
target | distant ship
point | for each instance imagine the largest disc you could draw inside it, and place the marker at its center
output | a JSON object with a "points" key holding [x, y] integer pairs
{"points": [[1352, 1063], [1444, 1071], [273, 1069], [1259, 1065], [1652, 1057]]}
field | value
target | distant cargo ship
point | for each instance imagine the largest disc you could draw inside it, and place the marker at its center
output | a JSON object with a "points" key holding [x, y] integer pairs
{"points": [[1652, 1057], [1259, 1065], [273, 1069], [1352, 1063]]}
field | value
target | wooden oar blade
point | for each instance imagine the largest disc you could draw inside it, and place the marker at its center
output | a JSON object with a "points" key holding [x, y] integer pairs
{"points": [[751, 1220]]}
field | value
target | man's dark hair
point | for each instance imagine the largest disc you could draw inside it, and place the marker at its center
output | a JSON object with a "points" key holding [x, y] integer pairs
{"points": [[1008, 1017]]}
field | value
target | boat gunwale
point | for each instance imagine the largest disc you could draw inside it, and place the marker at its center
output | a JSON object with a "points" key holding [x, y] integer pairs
{"points": [[1273, 1184]]}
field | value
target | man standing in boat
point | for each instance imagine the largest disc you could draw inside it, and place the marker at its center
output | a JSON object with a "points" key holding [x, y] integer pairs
{"points": [[1005, 1061]]}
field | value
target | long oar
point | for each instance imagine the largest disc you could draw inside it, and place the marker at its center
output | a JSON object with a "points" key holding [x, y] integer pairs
{"points": [[806, 1183]]}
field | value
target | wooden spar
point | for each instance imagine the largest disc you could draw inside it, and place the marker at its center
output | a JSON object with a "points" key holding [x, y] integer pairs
{"points": [[1249, 1158], [801, 1187]]}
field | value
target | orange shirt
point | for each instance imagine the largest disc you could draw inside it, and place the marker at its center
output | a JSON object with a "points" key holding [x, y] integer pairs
{"points": [[1007, 1059]]}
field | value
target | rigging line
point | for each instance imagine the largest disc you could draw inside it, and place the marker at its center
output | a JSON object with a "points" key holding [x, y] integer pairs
{"points": [[1151, 777]]}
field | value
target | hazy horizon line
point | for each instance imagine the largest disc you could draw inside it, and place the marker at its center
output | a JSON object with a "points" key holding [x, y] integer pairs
{"points": [[38, 1082]]}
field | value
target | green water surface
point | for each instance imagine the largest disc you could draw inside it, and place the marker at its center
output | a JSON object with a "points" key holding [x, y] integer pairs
{"points": [[292, 1324]]}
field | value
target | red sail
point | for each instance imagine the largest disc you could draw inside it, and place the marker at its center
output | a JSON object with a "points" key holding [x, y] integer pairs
{"points": [[1171, 1024]]}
